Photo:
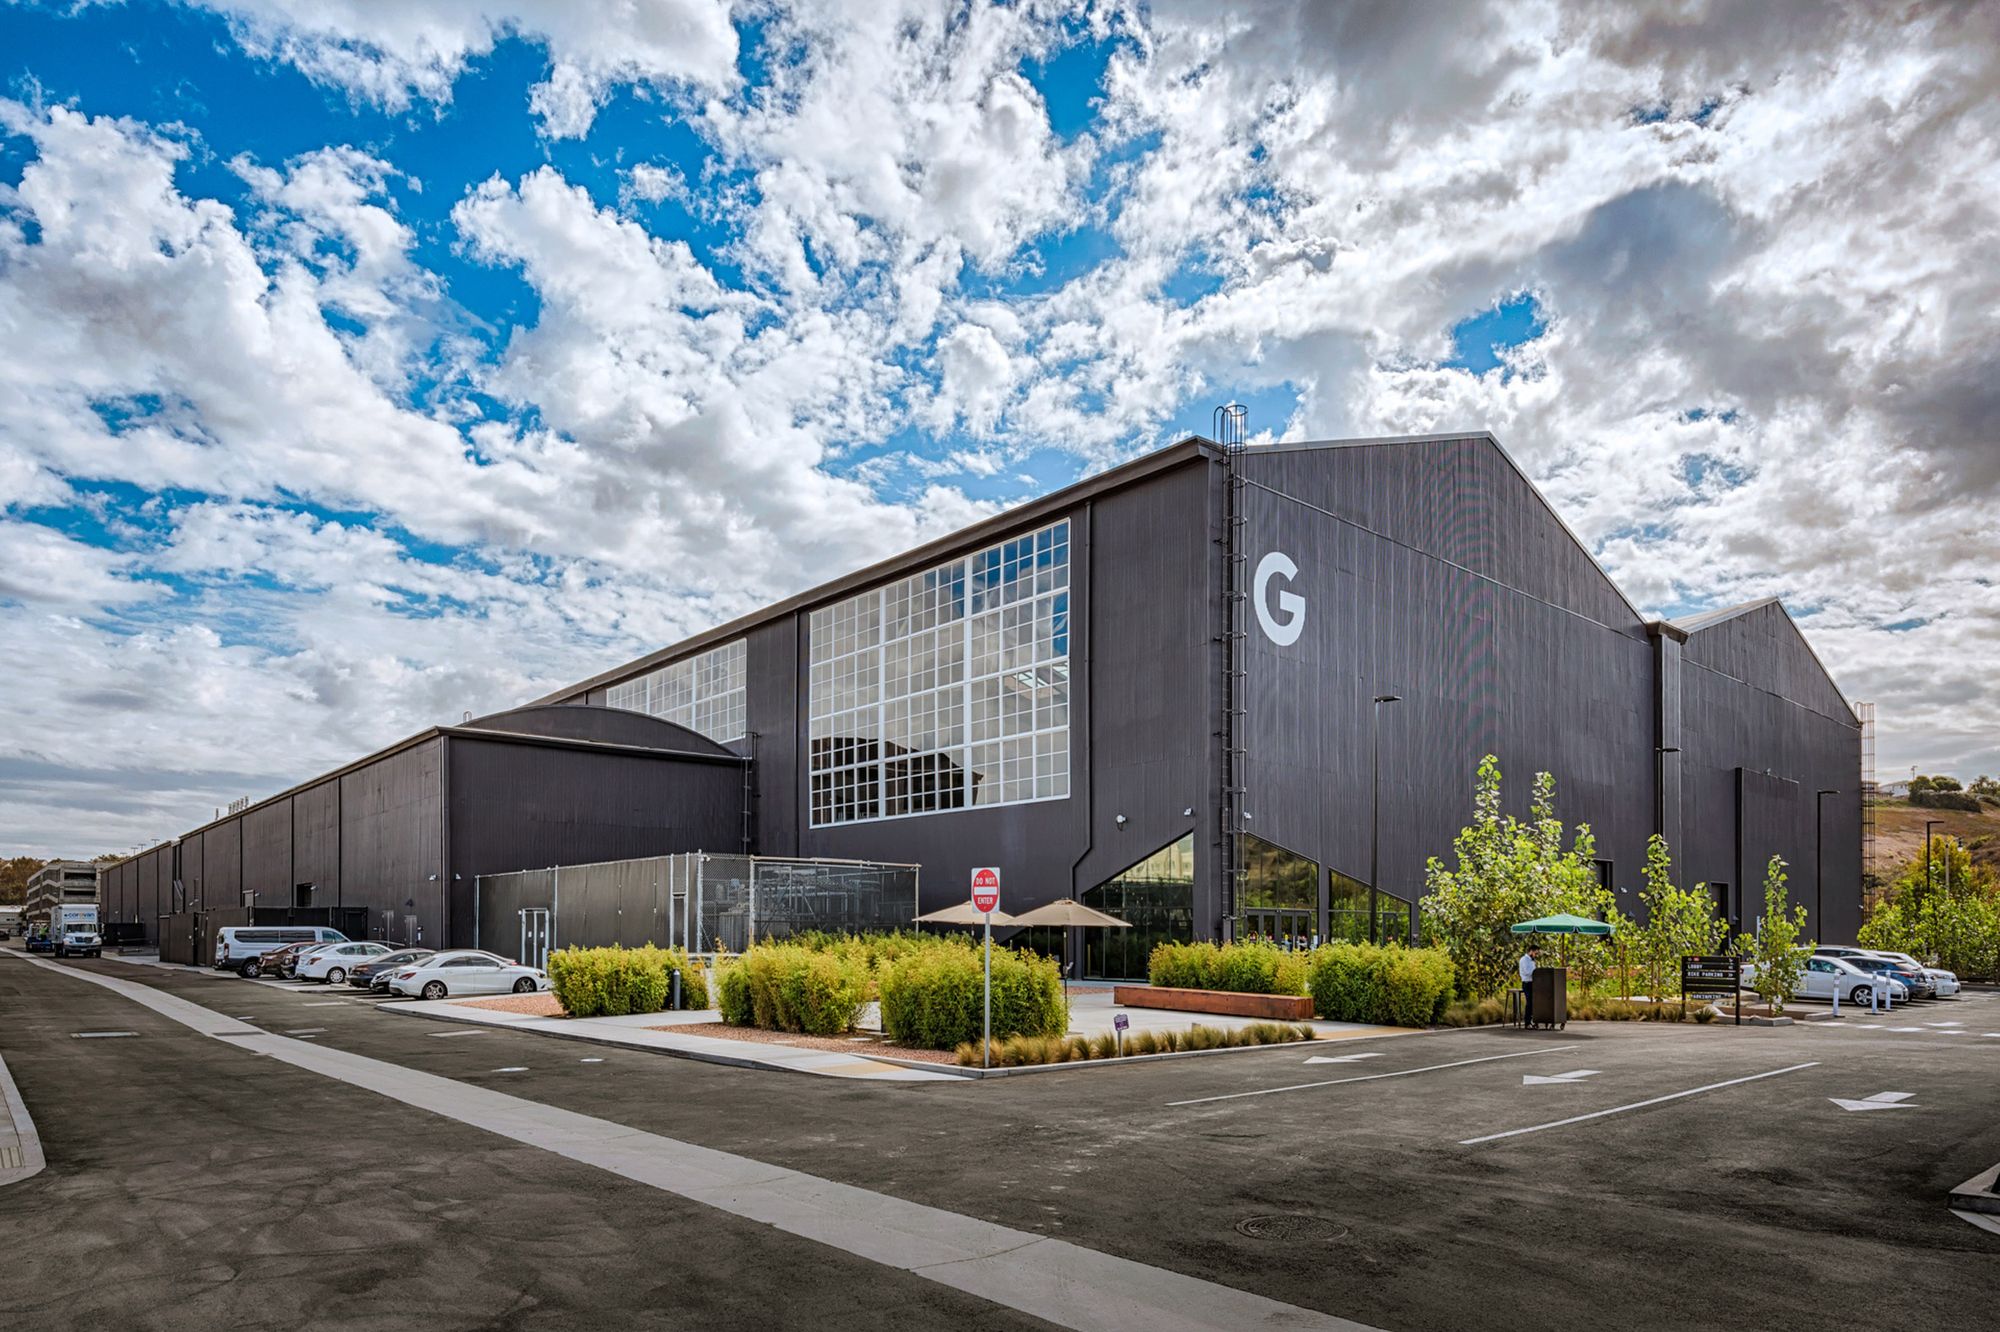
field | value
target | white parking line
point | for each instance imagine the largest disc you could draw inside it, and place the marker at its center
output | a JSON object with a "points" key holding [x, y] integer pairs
{"points": [[1372, 1077], [306, 1031], [1636, 1105], [513, 1068], [324, 1003], [445, 1035], [1046, 1278]]}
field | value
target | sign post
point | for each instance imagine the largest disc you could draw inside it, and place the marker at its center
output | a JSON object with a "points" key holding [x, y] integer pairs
{"points": [[985, 899]]}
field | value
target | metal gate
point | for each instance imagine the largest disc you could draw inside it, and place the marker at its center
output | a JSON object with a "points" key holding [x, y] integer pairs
{"points": [[534, 938]]}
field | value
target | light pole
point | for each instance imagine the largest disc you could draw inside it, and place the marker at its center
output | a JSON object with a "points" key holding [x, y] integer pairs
{"points": [[1819, 861], [1928, 825], [1375, 816]]}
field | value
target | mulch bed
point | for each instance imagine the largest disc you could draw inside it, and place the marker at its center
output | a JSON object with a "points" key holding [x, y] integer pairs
{"points": [[860, 1044], [535, 1005]]}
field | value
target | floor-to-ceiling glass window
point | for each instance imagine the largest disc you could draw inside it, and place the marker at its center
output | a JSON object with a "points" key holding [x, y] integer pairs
{"points": [[1279, 902], [1156, 897], [1352, 918], [704, 692], [945, 689]]}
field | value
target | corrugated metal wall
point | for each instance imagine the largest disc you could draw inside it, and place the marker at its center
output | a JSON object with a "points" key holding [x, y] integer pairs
{"points": [[1432, 571]]}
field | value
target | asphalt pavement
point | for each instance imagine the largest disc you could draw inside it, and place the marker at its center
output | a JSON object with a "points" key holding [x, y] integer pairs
{"points": [[1628, 1175]]}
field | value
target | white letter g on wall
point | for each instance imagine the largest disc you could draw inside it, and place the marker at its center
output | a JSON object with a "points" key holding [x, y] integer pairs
{"points": [[1289, 622]]}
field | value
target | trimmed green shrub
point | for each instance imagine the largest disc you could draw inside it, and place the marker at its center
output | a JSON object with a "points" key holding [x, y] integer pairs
{"points": [[931, 996], [1019, 1050], [786, 987], [1242, 968], [611, 982], [1385, 984]]}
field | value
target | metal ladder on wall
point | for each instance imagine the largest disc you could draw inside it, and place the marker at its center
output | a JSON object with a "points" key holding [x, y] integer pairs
{"points": [[1231, 432]]}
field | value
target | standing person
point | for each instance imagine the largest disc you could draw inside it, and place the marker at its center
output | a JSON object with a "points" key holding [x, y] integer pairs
{"points": [[1527, 965]]}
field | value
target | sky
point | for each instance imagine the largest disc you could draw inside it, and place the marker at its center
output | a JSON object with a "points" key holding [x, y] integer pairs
{"points": [[367, 364]]}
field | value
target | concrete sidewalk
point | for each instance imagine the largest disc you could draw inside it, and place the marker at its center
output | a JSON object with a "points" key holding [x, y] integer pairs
{"points": [[634, 1032], [20, 1145]]}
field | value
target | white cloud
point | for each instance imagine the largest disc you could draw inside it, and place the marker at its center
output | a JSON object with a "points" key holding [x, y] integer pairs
{"points": [[393, 54], [1760, 237]]}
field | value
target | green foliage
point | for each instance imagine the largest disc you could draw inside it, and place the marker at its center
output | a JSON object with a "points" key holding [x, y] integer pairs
{"points": [[1947, 800], [1959, 932], [611, 982], [792, 988], [1678, 923], [1776, 948], [1921, 785], [1020, 1050], [1510, 870], [1386, 984], [1986, 788], [931, 996], [1241, 968], [871, 950]]}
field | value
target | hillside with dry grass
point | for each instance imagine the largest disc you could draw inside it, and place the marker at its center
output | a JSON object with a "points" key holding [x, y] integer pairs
{"points": [[1899, 833]]}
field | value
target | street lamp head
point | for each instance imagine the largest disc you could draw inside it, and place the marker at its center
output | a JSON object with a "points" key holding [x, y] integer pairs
{"points": [[1666, 749], [1388, 698], [1827, 791]]}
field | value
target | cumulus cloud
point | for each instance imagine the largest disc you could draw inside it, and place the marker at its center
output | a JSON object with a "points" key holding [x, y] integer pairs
{"points": [[1757, 240]]}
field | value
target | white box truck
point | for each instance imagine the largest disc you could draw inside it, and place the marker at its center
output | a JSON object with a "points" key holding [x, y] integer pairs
{"points": [[73, 927]]}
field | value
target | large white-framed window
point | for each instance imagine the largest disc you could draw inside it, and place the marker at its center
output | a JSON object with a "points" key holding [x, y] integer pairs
{"points": [[944, 689], [704, 693]]}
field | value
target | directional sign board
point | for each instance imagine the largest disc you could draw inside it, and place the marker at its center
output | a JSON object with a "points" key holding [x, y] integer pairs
{"points": [[986, 889]]}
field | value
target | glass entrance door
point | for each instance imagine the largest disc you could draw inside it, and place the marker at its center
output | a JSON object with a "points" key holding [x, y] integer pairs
{"points": [[1290, 928]]}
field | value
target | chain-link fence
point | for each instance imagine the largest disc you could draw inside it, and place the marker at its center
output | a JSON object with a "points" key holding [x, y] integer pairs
{"points": [[704, 903]]}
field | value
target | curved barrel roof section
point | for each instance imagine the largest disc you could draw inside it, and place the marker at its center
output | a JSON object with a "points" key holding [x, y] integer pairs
{"points": [[605, 726]]}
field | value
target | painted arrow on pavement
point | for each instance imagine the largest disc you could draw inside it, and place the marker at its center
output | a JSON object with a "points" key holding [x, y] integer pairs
{"points": [[1574, 1075], [1343, 1059], [1879, 1101]]}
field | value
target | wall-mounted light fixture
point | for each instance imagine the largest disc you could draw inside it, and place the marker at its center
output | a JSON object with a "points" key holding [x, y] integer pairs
{"points": [[1121, 820], [1188, 813]]}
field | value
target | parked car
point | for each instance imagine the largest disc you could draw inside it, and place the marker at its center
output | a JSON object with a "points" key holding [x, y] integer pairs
{"points": [[1826, 976], [1912, 975], [1945, 981], [39, 941], [280, 962], [466, 971], [332, 963], [243, 947], [374, 974]]}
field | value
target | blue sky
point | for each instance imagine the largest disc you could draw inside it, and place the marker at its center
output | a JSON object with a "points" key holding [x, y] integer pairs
{"points": [[444, 352]]}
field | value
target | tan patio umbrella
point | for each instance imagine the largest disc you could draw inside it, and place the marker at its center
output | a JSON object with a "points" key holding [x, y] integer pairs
{"points": [[964, 913], [1066, 912]]}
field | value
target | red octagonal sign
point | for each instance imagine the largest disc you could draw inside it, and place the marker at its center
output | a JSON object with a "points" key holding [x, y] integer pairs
{"points": [[986, 889]]}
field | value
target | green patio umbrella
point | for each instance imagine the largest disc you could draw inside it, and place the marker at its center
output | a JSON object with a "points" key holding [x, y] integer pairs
{"points": [[1563, 923]]}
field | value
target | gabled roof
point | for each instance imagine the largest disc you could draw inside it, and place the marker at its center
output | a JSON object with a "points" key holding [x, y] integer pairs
{"points": [[1694, 624]]}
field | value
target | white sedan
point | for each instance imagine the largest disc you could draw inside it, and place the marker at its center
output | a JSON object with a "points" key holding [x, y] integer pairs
{"points": [[465, 971], [1825, 975], [332, 963], [1946, 981]]}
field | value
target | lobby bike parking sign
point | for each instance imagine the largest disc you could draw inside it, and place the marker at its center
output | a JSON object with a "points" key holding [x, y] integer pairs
{"points": [[1710, 977]]}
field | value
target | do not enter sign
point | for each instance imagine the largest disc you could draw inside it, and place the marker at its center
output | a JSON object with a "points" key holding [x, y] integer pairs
{"points": [[986, 889]]}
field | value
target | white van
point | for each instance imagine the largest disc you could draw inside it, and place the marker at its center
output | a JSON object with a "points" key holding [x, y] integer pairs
{"points": [[243, 946]]}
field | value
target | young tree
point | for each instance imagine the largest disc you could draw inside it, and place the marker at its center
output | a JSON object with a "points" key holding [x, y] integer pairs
{"points": [[1775, 947], [1510, 870], [1680, 922]]}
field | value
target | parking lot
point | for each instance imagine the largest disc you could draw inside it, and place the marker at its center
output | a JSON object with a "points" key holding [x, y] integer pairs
{"points": [[1629, 1175]]}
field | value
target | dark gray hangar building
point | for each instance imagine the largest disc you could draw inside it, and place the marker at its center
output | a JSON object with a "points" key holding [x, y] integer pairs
{"points": [[1157, 690]]}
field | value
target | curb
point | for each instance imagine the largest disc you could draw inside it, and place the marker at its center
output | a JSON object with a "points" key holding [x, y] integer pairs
{"points": [[587, 1038], [32, 1160], [950, 1070], [1981, 1193]]}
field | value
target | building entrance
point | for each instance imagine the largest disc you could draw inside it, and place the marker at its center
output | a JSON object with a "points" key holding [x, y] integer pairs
{"points": [[1293, 928]]}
